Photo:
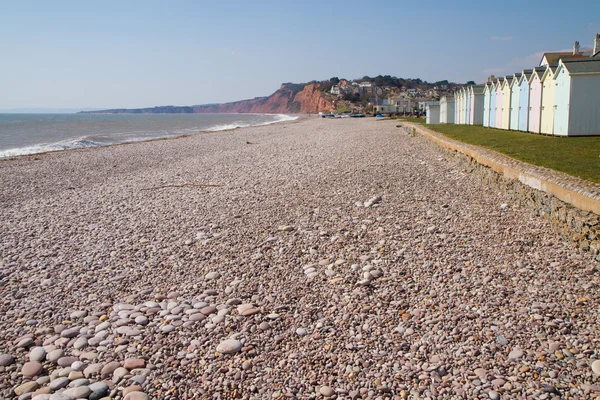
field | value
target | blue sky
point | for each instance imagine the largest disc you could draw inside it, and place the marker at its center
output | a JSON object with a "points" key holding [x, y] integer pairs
{"points": [[146, 53]]}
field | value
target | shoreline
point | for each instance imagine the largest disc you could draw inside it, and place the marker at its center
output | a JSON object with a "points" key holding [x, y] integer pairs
{"points": [[298, 118]]}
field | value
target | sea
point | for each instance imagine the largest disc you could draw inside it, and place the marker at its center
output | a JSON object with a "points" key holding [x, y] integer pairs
{"points": [[37, 133]]}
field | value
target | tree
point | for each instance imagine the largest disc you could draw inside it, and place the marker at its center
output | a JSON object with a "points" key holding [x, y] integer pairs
{"points": [[335, 80], [471, 83]]}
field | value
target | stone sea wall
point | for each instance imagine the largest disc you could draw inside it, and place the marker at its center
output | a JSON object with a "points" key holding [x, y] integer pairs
{"points": [[529, 188]]}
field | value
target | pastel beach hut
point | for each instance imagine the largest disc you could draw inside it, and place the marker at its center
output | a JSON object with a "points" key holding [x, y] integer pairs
{"points": [[492, 104], [463, 106], [506, 97], [447, 110], [499, 103], [535, 99], [515, 94], [487, 98], [433, 114], [524, 100], [456, 107], [477, 98], [467, 94], [547, 112], [576, 98]]}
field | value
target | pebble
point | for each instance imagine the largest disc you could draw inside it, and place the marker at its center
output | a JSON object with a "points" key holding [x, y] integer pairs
{"points": [[212, 275], [596, 367], [31, 368], [37, 354], [229, 346], [6, 360], [326, 391], [136, 396], [26, 387]]}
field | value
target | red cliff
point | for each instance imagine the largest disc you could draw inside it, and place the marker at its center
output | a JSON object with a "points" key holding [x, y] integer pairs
{"points": [[289, 99]]}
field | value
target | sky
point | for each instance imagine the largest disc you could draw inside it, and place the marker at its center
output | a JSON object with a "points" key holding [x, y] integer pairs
{"points": [[114, 54]]}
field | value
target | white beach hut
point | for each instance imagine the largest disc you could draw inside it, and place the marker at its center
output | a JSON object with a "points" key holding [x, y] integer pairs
{"points": [[487, 99], [433, 114], [476, 103], [447, 110], [577, 98]]}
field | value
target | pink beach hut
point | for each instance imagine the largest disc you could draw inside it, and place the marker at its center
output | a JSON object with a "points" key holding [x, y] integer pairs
{"points": [[535, 99]]}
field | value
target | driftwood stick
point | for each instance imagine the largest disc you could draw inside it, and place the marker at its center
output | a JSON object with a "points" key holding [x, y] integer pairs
{"points": [[184, 185]]}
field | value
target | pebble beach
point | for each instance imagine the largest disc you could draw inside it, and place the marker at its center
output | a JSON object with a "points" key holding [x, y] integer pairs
{"points": [[313, 259]]}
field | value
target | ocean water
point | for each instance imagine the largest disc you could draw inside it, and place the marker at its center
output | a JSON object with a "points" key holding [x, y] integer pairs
{"points": [[36, 133]]}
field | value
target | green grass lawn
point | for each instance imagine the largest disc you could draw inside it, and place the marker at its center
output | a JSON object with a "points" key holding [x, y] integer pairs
{"points": [[578, 156], [413, 120]]}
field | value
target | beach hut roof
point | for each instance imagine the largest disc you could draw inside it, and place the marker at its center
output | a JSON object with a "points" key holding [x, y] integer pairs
{"points": [[477, 89], [526, 75], [549, 73], [581, 67], [507, 80], [537, 71], [517, 79], [555, 57]]}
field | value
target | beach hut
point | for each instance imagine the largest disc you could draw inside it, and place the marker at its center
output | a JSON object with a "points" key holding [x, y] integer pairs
{"points": [[535, 99], [487, 98], [456, 107], [477, 98], [499, 103], [524, 100], [514, 102], [492, 104], [461, 110], [447, 110], [433, 114], [576, 97], [463, 105], [548, 89], [506, 97], [467, 94]]}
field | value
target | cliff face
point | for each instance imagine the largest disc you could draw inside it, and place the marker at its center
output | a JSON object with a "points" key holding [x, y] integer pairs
{"points": [[289, 99]]}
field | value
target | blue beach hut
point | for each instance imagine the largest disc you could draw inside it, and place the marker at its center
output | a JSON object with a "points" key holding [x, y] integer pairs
{"points": [[524, 100]]}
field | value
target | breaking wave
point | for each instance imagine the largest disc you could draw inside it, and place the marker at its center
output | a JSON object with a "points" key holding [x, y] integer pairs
{"points": [[109, 138]]}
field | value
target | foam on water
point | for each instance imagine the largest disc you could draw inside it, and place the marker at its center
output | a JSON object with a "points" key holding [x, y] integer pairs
{"points": [[100, 138]]}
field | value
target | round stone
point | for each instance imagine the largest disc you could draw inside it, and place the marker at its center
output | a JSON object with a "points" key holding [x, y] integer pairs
{"points": [[326, 391], [596, 367], [133, 363], [516, 353], [136, 396], [212, 275], [55, 355], [59, 383], [301, 331], [6, 360], [31, 368], [229, 346], [37, 354], [26, 387], [80, 392]]}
